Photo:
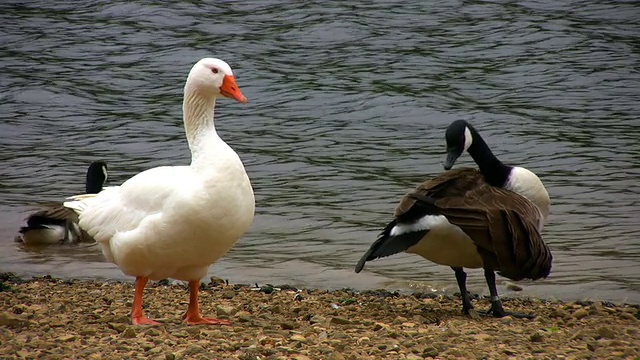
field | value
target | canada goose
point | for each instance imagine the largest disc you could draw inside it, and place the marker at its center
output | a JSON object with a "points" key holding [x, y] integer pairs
{"points": [[175, 221], [459, 220], [462, 136], [58, 224]]}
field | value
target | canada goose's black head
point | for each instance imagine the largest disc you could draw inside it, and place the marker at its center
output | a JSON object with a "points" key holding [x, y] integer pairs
{"points": [[96, 177], [459, 139]]}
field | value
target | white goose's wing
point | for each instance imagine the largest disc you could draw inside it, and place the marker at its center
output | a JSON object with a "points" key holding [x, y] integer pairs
{"points": [[139, 200]]}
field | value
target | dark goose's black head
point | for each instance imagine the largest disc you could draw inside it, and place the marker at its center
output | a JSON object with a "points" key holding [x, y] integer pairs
{"points": [[96, 177], [459, 139], [462, 136]]}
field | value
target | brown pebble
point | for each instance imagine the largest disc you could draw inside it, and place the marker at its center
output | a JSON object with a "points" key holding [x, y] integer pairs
{"points": [[13, 321], [340, 321], [580, 314]]}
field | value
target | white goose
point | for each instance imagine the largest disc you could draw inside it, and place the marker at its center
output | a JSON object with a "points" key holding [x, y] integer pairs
{"points": [[175, 221]]}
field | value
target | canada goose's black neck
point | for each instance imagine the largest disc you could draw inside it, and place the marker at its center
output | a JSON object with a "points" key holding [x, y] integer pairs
{"points": [[96, 176], [494, 171]]}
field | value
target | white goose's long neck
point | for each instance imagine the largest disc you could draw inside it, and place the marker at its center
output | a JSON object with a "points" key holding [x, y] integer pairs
{"points": [[198, 110]]}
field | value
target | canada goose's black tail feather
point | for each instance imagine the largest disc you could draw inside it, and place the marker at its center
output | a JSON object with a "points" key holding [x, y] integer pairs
{"points": [[387, 245]]}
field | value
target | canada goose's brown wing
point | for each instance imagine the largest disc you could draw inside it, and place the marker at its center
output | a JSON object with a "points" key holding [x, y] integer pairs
{"points": [[452, 183], [53, 213], [504, 227]]}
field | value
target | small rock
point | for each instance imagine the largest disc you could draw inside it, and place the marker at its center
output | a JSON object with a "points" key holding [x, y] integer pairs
{"points": [[430, 351], [222, 310], [379, 326], [506, 320], [65, 338], [317, 319], [340, 321], [193, 331], [243, 316], [336, 356], [413, 357], [408, 324], [229, 294], [514, 287], [117, 327], [606, 332], [59, 307], [482, 337], [298, 337], [194, 349], [216, 281], [628, 316], [536, 337], [170, 356], [88, 332], [287, 326], [129, 333], [592, 345], [362, 340], [152, 332], [13, 321], [580, 313], [301, 357]]}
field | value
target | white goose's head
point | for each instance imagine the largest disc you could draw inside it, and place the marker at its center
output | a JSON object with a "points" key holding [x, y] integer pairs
{"points": [[459, 138], [213, 77]]}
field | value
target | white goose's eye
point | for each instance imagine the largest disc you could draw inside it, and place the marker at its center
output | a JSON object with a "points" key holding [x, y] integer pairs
{"points": [[214, 70]]}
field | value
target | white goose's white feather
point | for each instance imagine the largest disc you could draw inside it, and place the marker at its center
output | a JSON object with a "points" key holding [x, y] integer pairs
{"points": [[174, 221]]}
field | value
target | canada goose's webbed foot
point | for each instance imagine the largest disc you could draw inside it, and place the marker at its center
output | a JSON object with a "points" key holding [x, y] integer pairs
{"points": [[496, 310]]}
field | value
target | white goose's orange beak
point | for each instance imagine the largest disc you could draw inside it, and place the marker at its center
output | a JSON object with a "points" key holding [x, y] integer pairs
{"points": [[230, 89]]}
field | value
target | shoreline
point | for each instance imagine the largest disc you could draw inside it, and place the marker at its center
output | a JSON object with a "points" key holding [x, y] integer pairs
{"points": [[53, 318]]}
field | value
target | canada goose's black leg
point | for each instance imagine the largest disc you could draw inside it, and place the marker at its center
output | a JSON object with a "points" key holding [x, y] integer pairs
{"points": [[496, 305], [467, 307]]}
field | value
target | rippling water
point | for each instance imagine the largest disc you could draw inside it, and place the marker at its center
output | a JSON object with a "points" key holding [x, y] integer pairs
{"points": [[348, 104]]}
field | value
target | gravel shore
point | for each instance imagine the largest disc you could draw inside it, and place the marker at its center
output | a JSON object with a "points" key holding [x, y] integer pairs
{"points": [[46, 318]]}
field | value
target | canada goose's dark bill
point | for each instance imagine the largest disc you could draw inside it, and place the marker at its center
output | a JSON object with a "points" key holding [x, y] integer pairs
{"points": [[452, 156]]}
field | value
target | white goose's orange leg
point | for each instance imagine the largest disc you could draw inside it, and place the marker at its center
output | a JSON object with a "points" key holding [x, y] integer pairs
{"points": [[136, 310], [192, 317]]}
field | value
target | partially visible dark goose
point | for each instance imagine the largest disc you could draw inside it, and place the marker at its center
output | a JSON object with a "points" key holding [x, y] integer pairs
{"points": [[58, 224], [459, 220], [462, 136]]}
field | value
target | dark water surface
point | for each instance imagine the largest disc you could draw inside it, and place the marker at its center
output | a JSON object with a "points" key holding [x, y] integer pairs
{"points": [[347, 109]]}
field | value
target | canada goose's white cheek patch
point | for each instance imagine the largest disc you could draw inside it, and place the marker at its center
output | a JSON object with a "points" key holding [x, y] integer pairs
{"points": [[468, 138], [427, 222]]}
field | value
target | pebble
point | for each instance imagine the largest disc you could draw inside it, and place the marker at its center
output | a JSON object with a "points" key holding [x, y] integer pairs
{"points": [[129, 332], [340, 321], [380, 326], [580, 314], [514, 287], [243, 316], [65, 338], [13, 321], [606, 332], [298, 337], [317, 319]]}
